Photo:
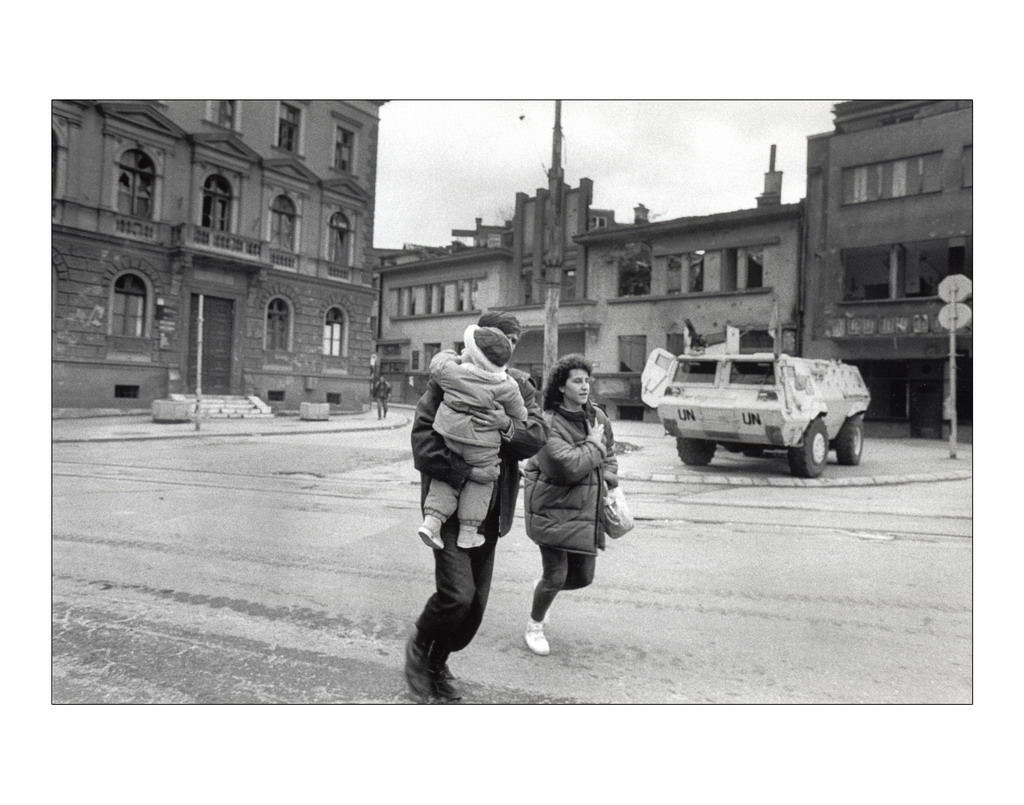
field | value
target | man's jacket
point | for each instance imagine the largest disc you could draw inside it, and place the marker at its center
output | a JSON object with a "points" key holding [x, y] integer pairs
{"points": [[433, 459]]}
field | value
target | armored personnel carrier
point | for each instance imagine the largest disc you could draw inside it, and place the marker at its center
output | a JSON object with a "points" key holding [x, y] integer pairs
{"points": [[755, 403]]}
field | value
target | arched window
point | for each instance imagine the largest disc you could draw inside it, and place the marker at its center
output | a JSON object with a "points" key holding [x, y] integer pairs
{"points": [[340, 238], [135, 184], [129, 314], [217, 204], [277, 325], [282, 223], [335, 334]]}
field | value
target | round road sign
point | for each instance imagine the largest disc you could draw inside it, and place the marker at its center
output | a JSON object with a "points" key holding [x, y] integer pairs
{"points": [[955, 287], [960, 312]]}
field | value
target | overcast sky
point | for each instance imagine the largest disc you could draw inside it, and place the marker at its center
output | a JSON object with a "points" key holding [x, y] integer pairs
{"points": [[442, 164]]}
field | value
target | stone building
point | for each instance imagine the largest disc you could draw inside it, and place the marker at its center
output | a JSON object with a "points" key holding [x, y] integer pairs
{"points": [[256, 214], [889, 215]]}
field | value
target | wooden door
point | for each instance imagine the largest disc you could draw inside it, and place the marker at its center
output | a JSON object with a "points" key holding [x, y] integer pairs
{"points": [[218, 327]]}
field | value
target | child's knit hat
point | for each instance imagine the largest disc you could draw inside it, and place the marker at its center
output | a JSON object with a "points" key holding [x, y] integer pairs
{"points": [[488, 347]]}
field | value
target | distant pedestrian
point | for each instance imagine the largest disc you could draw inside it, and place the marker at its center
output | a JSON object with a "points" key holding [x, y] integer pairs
{"points": [[381, 391], [462, 579], [563, 490]]}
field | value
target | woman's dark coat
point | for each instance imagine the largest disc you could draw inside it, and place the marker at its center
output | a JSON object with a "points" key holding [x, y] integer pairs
{"points": [[563, 494]]}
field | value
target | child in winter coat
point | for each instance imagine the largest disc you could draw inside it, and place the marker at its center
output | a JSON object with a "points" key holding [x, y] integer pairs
{"points": [[474, 381]]}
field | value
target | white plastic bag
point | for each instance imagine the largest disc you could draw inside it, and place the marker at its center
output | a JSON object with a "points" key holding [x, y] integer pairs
{"points": [[618, 520]]}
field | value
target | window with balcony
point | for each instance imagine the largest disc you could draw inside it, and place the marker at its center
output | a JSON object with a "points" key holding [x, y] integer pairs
{"points": [[904, 270], [282, 223], [632, 353], [277, 326], [335, 333], [344, 140], [288, 128], [340, 230], [896, 178], [128, 314], [136, 181], [217, 204]]}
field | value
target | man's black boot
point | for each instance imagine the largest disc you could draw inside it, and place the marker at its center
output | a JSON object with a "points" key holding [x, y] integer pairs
{"points": [[440, 677], [417, 671]]}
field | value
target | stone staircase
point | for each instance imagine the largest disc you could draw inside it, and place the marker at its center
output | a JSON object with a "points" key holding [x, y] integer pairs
{"points": [[214, 406]]}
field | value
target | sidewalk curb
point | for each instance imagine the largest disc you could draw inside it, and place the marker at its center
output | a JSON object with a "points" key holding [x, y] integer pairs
{"points": [[746, 480], [200, 434]]}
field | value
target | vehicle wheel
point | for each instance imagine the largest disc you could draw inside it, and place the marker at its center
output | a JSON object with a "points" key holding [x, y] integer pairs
{"points": [[753, 452], [808, 460], [849, 442], [695, 452]]}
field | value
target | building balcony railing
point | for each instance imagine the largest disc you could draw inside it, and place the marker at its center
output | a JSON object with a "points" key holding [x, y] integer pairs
{"points": [[326, 269], [200, 237]]}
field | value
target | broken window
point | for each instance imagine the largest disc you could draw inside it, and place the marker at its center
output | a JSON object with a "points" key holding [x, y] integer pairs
{"points": [[755, 268], [674, 275], [695, 273], [632, 353], [904, 270], [135, 184], [866, 273], [730, 269], [634, 264]]}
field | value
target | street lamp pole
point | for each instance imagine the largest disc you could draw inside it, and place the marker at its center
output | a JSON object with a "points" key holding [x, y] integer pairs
{"points": [[199, 359]]}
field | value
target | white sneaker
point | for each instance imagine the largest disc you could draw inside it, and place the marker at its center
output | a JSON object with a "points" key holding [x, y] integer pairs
{"points": [[430, 538], [535, 639]]}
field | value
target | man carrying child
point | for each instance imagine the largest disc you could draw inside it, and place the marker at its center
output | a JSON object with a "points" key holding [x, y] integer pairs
{"points": [[453, 614]]}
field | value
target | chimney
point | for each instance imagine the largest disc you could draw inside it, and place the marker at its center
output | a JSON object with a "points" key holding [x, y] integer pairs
{"points": [[640, 214], [772, 185]]}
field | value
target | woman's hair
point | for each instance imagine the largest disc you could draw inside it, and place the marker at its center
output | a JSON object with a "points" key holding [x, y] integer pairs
{"points": [[559, 375]]}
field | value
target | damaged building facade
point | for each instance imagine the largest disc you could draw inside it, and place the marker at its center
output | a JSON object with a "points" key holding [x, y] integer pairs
{"points": [[255, 215], [428, 296], [889, 216], [625, 288], [665, 283]]}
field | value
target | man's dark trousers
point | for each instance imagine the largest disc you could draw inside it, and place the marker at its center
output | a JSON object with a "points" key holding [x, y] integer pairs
{"points": [[463, 577]]}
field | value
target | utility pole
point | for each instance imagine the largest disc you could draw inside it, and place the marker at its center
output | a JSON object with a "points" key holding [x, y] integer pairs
{"points": [[555, 247]]}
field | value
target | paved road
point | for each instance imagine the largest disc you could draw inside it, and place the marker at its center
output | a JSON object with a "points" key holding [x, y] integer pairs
{"points": [[251, 569]]}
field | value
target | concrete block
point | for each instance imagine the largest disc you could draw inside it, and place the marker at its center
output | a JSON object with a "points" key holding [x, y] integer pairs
{"points": [[171, 410], [318, 411]]}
